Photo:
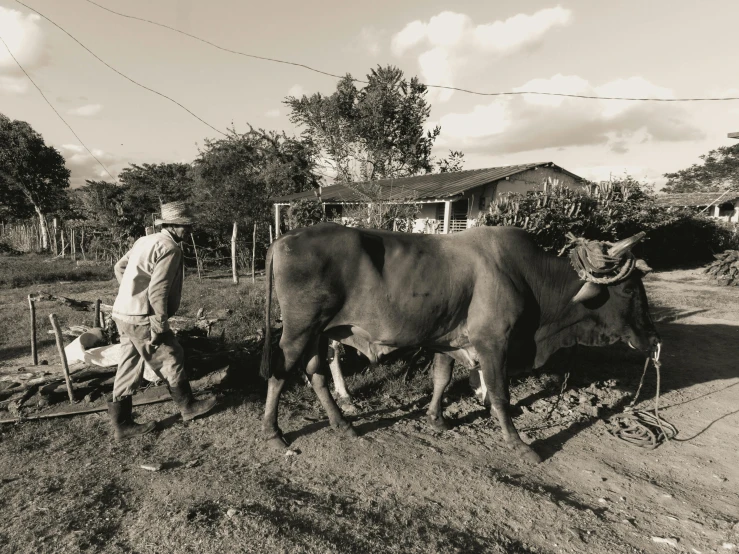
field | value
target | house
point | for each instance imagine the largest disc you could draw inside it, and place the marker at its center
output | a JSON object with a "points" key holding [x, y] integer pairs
{"points": [[448, 202], [720, 205]]}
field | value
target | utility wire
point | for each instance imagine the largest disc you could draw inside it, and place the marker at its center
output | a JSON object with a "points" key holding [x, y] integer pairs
{"points": [[120, 73], [443, 87], [55, 111]]}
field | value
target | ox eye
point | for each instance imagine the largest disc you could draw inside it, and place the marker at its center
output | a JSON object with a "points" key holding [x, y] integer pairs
{"points": [[628, 290]]}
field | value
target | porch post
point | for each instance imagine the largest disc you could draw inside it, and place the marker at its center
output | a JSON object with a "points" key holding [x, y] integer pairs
{"points": [[277, 220], [716, 210], [447, 215]]}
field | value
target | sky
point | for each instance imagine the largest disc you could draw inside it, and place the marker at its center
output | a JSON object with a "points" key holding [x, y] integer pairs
{"points": [[655, 49]]}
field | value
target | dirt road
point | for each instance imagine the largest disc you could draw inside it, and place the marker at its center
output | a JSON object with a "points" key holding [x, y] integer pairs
{"points": [[402, 487]]}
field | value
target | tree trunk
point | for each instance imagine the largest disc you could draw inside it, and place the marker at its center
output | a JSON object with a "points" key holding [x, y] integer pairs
{"points": [[44, 229]]}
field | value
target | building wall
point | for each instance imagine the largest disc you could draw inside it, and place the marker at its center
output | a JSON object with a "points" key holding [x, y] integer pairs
{"points": [[731, 215], [530, 180]]}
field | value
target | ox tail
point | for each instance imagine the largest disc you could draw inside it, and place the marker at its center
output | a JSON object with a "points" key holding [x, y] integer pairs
{"points": [[266, 367]]}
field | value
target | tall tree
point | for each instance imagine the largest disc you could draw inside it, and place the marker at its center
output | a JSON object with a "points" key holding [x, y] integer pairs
{"points": [[374, 132], [237, 175], [32, 174], [719, 171], [147, 185]]}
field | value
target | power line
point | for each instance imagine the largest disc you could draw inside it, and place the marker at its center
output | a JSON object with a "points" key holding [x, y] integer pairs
{"points": [[55, 111], [443, 87], [120, 73]]}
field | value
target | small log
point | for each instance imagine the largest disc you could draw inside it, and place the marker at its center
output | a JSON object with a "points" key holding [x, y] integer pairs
{"points": [[81, 305], [62, 355], [32, 306]]}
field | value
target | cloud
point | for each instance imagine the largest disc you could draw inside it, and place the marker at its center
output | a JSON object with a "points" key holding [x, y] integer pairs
{"points": [[436, 69], [13, 85], [87, 110], [272, 113], [520, 30], [533, 122], [297, 91], [83, 166], [370, 40], [453, 37], [26, 41]]}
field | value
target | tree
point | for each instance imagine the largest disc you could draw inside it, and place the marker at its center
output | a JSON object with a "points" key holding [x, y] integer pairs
{"points": [[32, 174], [146, 186], [236, 176], [105, 207], [454, 162], [718, 172], [375, 132]]}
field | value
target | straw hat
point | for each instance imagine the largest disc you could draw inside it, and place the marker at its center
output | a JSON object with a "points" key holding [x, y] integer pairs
{"points": [[175, 213]]}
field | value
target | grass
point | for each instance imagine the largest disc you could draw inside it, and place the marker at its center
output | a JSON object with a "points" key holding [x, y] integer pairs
{"points": [[33, 269]]}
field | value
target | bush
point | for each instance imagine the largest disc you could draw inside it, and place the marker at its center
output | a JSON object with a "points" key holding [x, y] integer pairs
{"points": [[304, 213], [611, 212], [688, 240]]}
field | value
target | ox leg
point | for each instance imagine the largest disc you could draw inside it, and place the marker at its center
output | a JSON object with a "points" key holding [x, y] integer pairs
{"points": [[285, 358], [342, 395], [317, 374], [443, 365], [493, 377], [272, 433]]}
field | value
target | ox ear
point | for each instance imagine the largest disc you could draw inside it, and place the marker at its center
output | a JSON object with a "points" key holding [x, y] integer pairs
{"points": [[642, 266], [587, 292]]}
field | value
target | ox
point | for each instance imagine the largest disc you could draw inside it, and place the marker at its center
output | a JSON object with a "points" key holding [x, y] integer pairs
{"points": [[477, 297]]}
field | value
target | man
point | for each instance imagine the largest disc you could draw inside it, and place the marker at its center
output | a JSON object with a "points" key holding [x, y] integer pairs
{"points": [[150, 279]]}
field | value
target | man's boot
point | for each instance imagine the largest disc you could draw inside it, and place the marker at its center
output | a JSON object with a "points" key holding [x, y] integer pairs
{"points": [[189, 407], [123, 424]]}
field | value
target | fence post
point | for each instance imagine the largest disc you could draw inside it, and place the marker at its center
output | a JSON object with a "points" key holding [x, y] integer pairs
{"points": [[197, 258], [253, 253], [270, 233], [96, 323], [233, 253], [56, 245], [32, 306]]}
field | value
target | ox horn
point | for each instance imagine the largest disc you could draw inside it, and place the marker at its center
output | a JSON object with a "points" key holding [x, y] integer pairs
{"points": [[587, 292], [623, 246]]}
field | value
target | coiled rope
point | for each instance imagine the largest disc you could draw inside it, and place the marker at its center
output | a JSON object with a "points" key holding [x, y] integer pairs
{"points": [[641, 428]]}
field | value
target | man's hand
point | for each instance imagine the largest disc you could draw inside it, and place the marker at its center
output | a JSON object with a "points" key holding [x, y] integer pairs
{"points": [[158, 338]]}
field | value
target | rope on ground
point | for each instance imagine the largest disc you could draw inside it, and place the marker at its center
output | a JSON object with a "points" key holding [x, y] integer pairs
{"points": [[644, 429], [559, 398]]}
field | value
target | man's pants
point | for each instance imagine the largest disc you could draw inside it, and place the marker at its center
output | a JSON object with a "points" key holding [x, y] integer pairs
{"points": [[166, 360]]}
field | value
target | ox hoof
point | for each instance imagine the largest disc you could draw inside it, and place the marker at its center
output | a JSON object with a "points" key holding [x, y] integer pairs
{"points": [[527, 454], [439, 424], [277, 442], [347, 406], [347, 431]]}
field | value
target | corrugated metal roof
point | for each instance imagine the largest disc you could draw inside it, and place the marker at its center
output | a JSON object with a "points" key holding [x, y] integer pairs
{"points": [[431, 186], [695, 199]]}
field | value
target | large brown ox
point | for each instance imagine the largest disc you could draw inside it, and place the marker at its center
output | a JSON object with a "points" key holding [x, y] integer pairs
{"points": [[473, 297]]}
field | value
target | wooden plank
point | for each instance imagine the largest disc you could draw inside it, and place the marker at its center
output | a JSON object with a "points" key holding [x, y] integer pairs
{"points": [[62, 355]]}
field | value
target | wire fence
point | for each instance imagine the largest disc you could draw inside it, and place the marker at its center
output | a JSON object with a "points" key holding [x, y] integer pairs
{"points": [[85, 244]]}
